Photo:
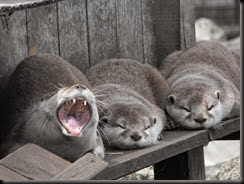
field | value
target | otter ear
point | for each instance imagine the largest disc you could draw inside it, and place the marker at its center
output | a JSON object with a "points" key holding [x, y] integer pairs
{"points": [[171, 99], [217, 94], [103, 121]]}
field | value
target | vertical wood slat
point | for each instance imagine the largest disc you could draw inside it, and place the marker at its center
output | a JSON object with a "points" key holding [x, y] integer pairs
{"points": [[185, 166], [42, 30], [102, 30], [129, 29], [13, 44], [148, 32], [73, 33], [171, 32]]}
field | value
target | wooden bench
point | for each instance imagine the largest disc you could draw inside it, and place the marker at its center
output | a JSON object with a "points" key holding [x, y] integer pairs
{"points": [[178, 149], [145, 30]]}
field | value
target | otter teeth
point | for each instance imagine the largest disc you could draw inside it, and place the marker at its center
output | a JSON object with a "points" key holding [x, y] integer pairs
{"points": [[74, 100], [85, 102]]}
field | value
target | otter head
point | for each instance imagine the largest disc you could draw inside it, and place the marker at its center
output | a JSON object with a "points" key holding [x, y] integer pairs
{"points": [[74, 108], [130, 126], [196, 108]]}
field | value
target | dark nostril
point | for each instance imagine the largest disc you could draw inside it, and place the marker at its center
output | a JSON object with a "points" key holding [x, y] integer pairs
{"points": [[79, 86], [200, 120], [136, 137]]}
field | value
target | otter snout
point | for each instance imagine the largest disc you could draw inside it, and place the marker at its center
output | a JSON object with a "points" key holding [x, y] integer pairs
{"points": [[200, 120], [135, 136]]}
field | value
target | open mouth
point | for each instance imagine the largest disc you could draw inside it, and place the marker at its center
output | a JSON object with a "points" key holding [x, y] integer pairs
{"points": [[74, 115]]}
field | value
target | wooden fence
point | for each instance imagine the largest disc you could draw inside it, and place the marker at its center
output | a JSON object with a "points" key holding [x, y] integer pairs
{"points": [[86, 32]]}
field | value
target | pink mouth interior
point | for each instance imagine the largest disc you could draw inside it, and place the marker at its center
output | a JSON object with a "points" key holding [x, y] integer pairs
{"points": [[74, 116]]}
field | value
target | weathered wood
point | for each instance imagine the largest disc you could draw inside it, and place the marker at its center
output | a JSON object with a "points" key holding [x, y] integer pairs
{"points": [[8, 175], [73, 33], [129, 29], [225, 128], [174, 26], [185, 166], [173, 143], [42, 30], [148, 32], [33, 162], [13, 5], [102, 30], [13, 44], [85, 168], [233, 136]]}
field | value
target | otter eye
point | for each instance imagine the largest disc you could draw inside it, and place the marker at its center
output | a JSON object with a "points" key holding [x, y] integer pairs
{"points": [[147, 127], [121, 126], [186, 109], [210, 107]]}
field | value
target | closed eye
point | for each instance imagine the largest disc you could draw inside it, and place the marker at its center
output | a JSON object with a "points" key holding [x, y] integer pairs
{"points": [[210, 107], [121, 126], [186, 109], [147, 127]]}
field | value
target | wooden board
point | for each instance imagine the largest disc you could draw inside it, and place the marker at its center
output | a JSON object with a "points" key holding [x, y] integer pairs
{"points": [[173, 143], [174, 26], [13, 44], [226, 128], [102, 30], [129, 29], [33, 162], [8, 175], [42, 30], [13, 5], [85, 168], [72, 23]]}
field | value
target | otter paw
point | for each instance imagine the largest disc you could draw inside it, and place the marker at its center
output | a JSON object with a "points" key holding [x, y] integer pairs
{"points": [[170, 124], [160, 137], [99, 151]]}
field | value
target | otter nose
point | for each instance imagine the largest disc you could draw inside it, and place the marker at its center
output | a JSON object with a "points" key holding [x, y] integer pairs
{"points": [[79, 86], [136, 137], [200, 120]]}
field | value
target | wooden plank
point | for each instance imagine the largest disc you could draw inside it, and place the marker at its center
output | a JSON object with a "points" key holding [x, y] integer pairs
{"points": [[225, 128], [129, 29], [148, 32], [173, 143], [102, 30], [185, 166], [42, 30], [13, 5], [8, 175], [73, 33], [172, 29], [34, 162], [85, 168], [13, 44]]}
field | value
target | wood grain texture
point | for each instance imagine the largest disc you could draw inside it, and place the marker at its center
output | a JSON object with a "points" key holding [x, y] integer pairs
{"points": [[102, 30], [148, 32], [184, 166], [8, 175], [170, 20], [73, 33], [13, 44], [129, 29], [84, 168], [33, 162], [42, 30], [173, 143]]}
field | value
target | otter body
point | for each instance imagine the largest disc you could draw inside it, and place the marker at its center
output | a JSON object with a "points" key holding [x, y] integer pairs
{"points": [[128, 92], [205, 85], [48, 103]]}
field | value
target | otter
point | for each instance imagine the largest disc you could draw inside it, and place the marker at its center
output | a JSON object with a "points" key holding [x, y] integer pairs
{"points": [[48, 102], [130, 109], [204, 85]]}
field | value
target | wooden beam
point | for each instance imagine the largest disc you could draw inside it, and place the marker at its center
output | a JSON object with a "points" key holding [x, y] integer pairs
{"points": [[85, 168], [9, 175], [34, 163], [185, 166]]}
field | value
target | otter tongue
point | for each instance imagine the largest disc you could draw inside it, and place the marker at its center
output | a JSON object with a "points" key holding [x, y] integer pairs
{"points": [[73, 125]]}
